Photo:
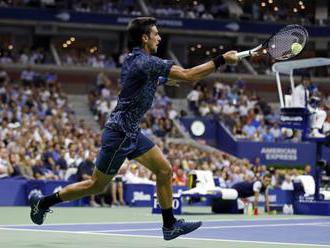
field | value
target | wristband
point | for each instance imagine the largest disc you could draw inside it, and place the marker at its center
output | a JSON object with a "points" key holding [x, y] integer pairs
{"points": [[218, 61]]}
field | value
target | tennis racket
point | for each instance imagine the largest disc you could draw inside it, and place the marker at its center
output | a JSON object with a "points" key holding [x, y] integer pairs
{"points": [[288, 42]]}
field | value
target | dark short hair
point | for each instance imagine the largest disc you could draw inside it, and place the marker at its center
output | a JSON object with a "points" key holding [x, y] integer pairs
{"points": [[136, 28], [267, 175]]}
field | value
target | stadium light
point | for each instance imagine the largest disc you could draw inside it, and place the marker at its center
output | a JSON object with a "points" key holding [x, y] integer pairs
{"points": [[199, 46], [275, 8], [68, 42], [10, 47], [72, 39], [263, 4], [65, 45], [295, 10]]}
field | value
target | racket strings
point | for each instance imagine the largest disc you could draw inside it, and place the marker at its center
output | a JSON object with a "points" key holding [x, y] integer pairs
{"points": [[279, 46]]}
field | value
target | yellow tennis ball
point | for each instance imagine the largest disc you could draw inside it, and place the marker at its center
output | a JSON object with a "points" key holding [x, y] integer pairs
{"points": [[296, 48]]}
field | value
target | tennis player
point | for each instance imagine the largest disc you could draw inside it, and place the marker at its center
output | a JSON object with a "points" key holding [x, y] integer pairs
{"points": [[255, 188], [121, 136]]}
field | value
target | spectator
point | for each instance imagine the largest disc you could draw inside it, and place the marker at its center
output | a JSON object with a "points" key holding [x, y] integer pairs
{"points": [[180, 178], [41, 172], [287, 183]]}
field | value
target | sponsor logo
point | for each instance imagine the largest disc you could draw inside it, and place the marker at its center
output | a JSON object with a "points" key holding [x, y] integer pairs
{"points": [[176, 203], [290, 118], [141, 196], [280, 153]]}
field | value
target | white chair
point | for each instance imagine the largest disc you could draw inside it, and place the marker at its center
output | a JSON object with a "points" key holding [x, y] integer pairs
{"points": [[205, 186]]}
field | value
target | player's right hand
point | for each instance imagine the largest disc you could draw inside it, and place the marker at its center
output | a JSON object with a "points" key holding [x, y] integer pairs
{"points": [[231, 57]]}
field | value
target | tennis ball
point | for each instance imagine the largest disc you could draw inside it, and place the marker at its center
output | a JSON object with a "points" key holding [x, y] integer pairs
{"points": [[296, 48]]}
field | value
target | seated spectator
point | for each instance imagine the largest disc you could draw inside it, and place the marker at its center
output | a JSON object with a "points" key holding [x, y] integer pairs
{"points": [[180, 178], [287, 183], [117, 191], [4, 166], [135, 175], [41, 172], [307, 170]]}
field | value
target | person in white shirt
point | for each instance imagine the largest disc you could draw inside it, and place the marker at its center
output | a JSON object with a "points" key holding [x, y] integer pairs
{"points": [[302, 98], [287, 183]]}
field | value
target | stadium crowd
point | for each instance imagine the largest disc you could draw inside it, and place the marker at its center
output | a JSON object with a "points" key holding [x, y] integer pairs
{"points": [[83, 57], [68, 56], [60, 147], [32, 55], [236, 10], [128, 7], [222, 9], [243, 112]]}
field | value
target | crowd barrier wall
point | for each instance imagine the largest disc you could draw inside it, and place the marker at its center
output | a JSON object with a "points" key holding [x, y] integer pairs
{"points": [[15, 192], [286, 154]]}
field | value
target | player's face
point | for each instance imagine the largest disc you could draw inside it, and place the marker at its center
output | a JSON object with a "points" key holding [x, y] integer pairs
{"points": [[266, 181], [153, 40]]}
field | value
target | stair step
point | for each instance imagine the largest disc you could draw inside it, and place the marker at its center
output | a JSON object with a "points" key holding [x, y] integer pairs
{"points": [[79, 104]]}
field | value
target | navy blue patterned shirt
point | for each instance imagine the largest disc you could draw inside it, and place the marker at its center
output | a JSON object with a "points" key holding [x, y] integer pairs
{"points": [[139, 80]]}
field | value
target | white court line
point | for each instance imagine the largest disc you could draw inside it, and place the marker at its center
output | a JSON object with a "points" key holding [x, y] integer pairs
{"points": [[214, 227], [159, 222], [324, 224], [158, 237]]}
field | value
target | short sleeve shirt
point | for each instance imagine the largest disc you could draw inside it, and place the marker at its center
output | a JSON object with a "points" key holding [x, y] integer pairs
{"points": [[139, 81]]}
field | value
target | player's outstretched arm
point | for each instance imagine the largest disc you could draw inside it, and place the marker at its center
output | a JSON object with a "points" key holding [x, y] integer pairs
{"points": [[201, 71]]}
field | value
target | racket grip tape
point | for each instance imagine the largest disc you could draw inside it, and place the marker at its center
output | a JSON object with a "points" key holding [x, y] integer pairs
{"points": [[244, 54]]}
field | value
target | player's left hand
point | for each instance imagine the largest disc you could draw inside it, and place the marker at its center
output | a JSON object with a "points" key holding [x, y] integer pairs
{"points": [[172, 83], [167, 81]]}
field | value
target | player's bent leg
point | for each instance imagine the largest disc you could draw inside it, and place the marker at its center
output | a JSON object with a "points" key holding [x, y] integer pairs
{"points": [[88, 187], [155, 161], [40, 205]]}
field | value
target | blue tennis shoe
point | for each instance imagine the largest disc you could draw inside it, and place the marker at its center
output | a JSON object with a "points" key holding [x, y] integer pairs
{"points": [[180, 227], [37, 214]]}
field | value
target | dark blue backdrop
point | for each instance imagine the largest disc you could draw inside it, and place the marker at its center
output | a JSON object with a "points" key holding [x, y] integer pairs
{"points": [[174, 23], [270, 153]]}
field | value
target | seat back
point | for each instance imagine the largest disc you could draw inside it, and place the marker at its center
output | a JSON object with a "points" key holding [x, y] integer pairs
{"points": [[204, 179], [308, 184]]}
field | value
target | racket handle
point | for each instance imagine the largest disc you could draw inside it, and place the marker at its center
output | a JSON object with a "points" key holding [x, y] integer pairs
{"points": [[244, 54], [248, 53]]}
